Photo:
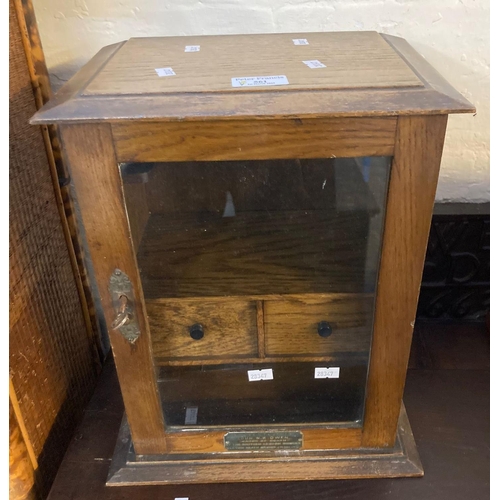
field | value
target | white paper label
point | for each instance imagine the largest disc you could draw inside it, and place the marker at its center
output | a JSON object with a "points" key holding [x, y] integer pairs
{"points": [[314, 64], [181, 498], [300, 41], [265, 374], [165, 72], [259, 81], [191, 415], [192, 48], [323, 372]]}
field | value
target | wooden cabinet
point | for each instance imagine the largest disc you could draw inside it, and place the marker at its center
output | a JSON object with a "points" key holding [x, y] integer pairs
{"points": [[257, 214]]}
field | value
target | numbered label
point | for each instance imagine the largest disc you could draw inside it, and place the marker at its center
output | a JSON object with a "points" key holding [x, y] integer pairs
{"points": [[265, 374], [323, 372], [191, 415], [165, 72], [314, 64], [259, 81]]}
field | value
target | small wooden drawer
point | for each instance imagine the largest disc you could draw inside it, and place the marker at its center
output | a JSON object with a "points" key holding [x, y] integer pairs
{"points": [[229, 328], [291, 325]]}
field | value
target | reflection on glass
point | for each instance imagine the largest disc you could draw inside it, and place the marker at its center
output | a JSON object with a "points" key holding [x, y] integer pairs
{"points": [[258, 265]]}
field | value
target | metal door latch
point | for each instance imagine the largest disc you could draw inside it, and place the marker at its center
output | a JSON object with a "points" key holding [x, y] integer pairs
{"points": [[122, 295]]}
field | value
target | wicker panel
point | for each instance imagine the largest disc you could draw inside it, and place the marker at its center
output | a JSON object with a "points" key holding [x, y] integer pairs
{"points": [[51, 353]]}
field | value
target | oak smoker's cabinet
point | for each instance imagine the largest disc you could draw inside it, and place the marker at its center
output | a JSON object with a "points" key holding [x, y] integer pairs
{"points": [[257, 210]]}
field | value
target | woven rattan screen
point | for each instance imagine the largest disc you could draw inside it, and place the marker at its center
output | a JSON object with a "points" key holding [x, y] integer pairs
{"points": [[52, 354]]}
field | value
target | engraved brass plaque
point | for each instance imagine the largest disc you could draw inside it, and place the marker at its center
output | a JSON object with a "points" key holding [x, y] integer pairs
{"points": [[261, 441]]}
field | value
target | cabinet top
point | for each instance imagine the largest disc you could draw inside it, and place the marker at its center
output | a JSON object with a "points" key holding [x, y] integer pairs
{"points": [[262, 76]]}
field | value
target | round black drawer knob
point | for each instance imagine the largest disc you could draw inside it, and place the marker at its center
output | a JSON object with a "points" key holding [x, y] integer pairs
{"points": [[324, 329], [196, 331]]}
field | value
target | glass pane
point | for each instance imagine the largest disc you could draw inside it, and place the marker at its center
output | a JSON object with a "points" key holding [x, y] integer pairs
{"points": [[259, 269]]}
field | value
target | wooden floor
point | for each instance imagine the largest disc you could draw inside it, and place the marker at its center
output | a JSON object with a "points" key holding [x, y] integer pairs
{"points": [[446, 397]]}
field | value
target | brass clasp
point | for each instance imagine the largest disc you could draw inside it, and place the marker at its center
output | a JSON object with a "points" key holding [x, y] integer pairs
{"points": [[122, 295]]}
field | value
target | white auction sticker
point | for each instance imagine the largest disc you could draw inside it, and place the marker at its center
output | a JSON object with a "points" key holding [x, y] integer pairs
{"points": [[314, 64], [259, 81], [300, 41], [192, 48], [191, 415], [323, 372], [165, 72], [265, 374]]}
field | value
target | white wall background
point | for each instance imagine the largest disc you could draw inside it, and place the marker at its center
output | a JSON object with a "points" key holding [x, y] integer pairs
{"points": [[453, 35]]}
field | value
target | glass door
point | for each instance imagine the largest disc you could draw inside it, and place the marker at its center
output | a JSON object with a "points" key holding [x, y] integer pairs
{"points": [[259, 280]]}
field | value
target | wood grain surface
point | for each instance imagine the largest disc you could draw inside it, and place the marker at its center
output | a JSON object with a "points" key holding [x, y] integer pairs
{"points": [[291, 325], [412, 187], [71, 89], [427, 73], [349, 357], [365, 74], [261, 329], [352, 60], [213, 442], [305, 138], [255, 253], [402, 460], [230, 328], [89, 152], [258, 106]]}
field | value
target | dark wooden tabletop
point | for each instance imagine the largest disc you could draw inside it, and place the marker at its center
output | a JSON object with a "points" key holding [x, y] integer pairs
{"points": [[446, 397]]}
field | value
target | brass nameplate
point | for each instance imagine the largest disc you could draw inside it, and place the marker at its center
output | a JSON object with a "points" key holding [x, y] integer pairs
{"points": [[261, 441]]}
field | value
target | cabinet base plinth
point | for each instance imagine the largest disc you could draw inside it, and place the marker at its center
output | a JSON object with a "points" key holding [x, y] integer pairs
{"points": [[127, 469]]}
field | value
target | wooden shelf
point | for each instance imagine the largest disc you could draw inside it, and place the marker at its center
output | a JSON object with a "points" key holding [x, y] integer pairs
{"points": [[254, 253]]}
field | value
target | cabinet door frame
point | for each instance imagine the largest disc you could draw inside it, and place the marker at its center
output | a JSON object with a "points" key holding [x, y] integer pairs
{"points": [[94, 151]]}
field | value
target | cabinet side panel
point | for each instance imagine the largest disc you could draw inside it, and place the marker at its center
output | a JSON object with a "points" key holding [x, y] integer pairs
{"points": [[414, 175]]}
